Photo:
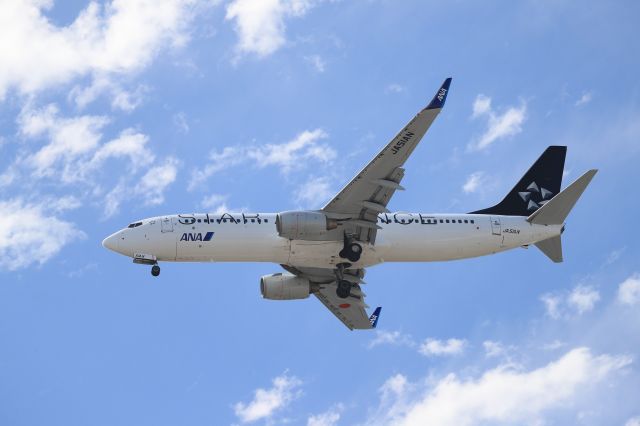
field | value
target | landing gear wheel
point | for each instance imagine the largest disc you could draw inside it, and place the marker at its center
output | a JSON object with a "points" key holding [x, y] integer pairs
{"points": [[344, 289], [351, 250], [155, 270]]}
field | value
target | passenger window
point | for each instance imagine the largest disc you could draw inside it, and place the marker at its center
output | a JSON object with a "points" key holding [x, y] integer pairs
{"points": [[253, 221], [471, 220], [441, 221], [459, 220], [199, 220], [466, 221], [447, 221]]}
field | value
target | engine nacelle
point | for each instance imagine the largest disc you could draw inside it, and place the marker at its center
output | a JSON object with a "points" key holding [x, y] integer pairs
{"points": [[304, 225], [284, 287]]}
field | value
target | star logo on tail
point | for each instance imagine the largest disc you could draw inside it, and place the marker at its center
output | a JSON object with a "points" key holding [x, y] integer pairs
{"points": [[535, 196]]}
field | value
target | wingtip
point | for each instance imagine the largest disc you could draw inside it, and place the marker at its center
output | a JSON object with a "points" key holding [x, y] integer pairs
{"points": [[441, 96], [373, 319]]}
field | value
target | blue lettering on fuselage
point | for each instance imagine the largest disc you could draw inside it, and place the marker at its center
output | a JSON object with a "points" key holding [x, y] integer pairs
{"points": [[196, 236]]}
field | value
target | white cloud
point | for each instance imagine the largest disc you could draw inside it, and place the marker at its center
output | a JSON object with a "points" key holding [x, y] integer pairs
{"points": [[69, 139], [584, 99], [552, 346], [583, 298], [180, 121], [474, 182], [394, 88], [316, 62], [579, 300], [149, 188], [267, 402], [292, 154], [314, 192], [552, 305], [395, 338], [634, 421], [215, 203], [260, 24], [73, 148], [29, 233], [629, 290], [501, 395], [153, 184], [493, 348], [434, 347], [328, 418], [481, 106], [121, 99], [499, 126], [118, 38], [615, 255], [288, 156]]}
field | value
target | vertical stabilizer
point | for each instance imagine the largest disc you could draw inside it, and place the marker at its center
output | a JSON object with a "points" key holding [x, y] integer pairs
{"points": [[541, 182]]}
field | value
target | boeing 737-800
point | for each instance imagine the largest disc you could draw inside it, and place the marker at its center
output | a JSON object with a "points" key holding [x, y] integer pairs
{"points": [[325, 252]]}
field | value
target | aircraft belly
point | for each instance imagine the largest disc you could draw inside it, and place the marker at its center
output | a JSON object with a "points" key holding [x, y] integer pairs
{"points": [[325, 254]]}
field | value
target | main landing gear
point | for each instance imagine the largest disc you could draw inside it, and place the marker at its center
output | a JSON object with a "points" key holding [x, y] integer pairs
{"points": [[155, 270], [351, 249], [344, 287]]}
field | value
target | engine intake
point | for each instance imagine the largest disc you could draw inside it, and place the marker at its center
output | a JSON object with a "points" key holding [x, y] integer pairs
{"points": [[284, 287], [302, 225]]}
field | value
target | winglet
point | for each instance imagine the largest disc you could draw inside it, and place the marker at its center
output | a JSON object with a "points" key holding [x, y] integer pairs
{"points": [[441, 96], [373, 319]]}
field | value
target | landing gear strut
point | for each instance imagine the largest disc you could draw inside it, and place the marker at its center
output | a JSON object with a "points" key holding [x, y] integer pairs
{"points": [[344, 287], [155, 270], [351, 249]]}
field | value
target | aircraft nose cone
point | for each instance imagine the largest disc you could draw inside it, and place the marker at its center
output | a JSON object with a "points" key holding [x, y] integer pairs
{"points": [[111, 242]]}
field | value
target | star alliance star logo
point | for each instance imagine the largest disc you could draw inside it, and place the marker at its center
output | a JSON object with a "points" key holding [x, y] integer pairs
{"points": [[535, 196]]}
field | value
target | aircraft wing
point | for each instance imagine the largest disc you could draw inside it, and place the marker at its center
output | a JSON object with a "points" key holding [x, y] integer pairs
{"points": [[369, 191], [352, 310]]}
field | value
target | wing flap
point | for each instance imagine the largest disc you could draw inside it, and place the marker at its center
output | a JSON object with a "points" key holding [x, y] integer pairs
{"points": [[377, 181]]}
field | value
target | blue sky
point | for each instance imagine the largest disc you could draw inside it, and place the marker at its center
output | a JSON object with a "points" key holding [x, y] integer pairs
{"points": [[119, 110]]}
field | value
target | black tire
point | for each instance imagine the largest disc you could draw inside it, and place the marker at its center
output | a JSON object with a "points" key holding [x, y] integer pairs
{"points": [[155, 270], [344, 289], [355, 248]]}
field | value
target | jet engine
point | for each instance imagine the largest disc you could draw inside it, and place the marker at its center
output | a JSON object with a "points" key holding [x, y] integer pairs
{"points": [[284, 287], [303, 225]]}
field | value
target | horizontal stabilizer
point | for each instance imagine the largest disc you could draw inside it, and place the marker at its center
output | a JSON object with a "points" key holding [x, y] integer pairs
{"points": [[557, 209], [552, 248]]}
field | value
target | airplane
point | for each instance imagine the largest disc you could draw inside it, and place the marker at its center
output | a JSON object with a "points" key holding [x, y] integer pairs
{"points": [[325, 252]]}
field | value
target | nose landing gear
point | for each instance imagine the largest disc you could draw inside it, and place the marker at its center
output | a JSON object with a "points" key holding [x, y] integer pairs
{"points": [[155, 270]]}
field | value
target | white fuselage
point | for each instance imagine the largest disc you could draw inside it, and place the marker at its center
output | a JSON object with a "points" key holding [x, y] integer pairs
{"points": [[403, 237]]}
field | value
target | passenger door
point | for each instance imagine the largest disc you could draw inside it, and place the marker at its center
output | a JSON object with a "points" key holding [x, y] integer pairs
{"points": [[166, 224], [496, 228]]}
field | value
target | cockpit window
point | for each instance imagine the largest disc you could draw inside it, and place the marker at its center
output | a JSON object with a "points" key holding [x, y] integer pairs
{"points": [[135, 224]]}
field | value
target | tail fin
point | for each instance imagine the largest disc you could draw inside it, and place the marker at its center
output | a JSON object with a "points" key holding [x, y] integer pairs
{"points": [[541, 182], [557, 209]]}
